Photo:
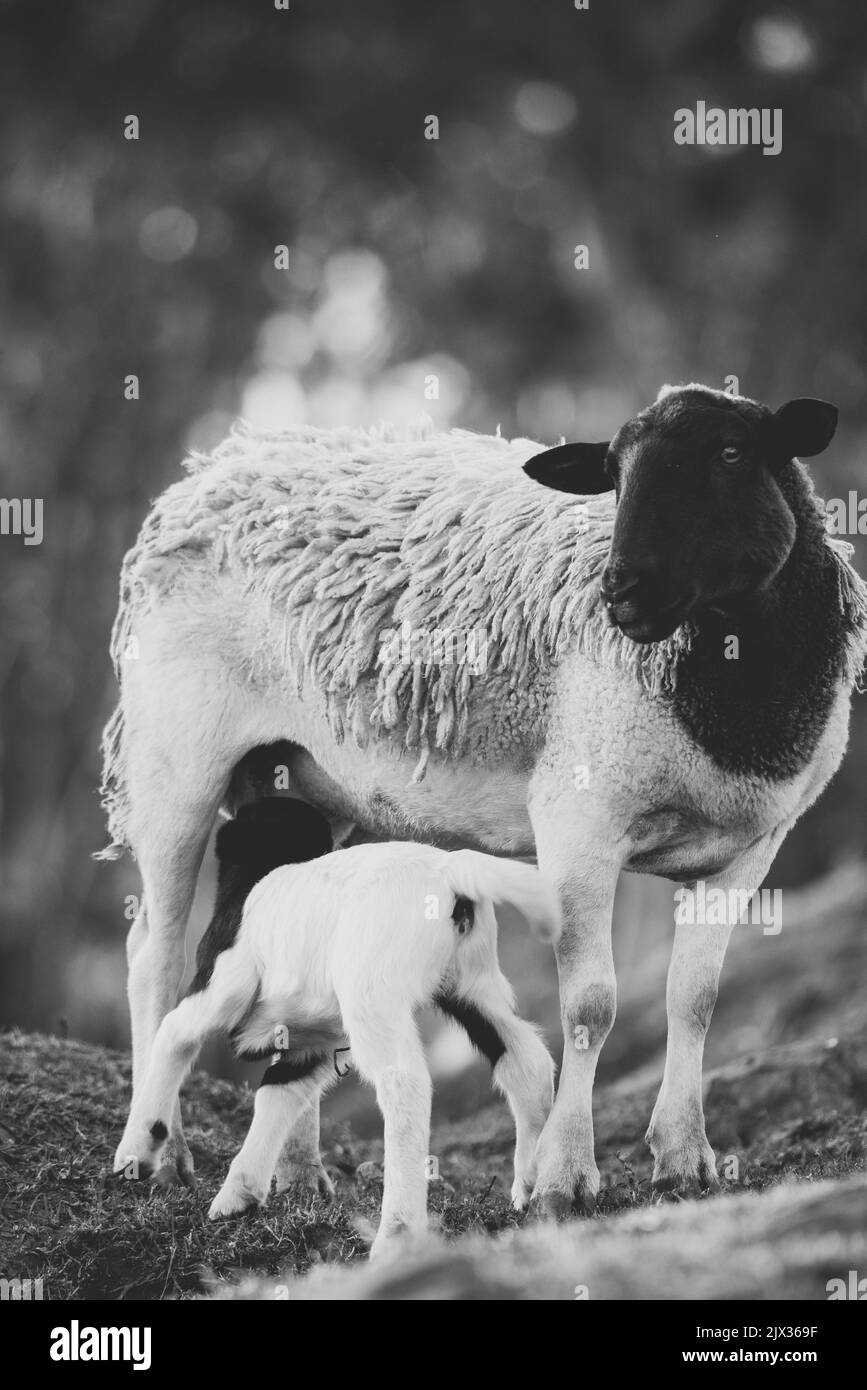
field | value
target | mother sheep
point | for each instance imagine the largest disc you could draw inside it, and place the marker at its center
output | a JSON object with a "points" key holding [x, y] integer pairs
{"points": [[645, 664]]}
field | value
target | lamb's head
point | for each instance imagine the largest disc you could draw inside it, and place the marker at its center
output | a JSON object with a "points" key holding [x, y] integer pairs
{"points": [[701, 519]]}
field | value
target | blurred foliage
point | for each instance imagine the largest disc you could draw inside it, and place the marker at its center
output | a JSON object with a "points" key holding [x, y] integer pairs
{"points": [[407, 256]]}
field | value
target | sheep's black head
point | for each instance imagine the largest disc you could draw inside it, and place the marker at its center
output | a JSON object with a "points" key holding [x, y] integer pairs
{"points": [[701, 520]]}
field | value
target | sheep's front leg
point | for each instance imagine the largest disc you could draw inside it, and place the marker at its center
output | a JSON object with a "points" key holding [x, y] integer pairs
{"points": [[583, 866], [683, 1158], [567, 1173]]}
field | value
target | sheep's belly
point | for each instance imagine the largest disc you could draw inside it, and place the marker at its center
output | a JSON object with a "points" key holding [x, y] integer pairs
{"points": [[288, 1024]]}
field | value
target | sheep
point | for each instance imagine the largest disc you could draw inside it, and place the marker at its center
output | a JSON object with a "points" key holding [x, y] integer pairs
{"points": [[341, 949], [607, 728]]}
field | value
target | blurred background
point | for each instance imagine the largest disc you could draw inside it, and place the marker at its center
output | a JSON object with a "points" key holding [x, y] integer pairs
{"points": [[407, 257]]}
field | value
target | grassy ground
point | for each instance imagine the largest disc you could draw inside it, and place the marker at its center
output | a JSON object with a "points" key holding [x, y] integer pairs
{"points": [[794, 1112]]}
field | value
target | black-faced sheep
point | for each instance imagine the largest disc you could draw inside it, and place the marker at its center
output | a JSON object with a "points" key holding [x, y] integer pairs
{"points": [[608, 727]]}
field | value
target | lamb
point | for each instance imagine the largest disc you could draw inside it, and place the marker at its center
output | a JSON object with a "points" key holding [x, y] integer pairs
{"points": [[672, 642], [348, 945]]}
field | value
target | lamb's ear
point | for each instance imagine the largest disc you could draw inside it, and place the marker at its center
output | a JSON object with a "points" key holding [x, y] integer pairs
{"points": [[802, 428], [575, 468]]}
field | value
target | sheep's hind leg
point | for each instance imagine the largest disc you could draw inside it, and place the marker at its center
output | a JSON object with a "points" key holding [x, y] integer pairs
{"points": [[287, 1091], [176, 776]]}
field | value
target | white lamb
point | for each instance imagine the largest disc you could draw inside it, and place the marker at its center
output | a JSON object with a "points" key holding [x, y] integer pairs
{"points": [[349, 946]]}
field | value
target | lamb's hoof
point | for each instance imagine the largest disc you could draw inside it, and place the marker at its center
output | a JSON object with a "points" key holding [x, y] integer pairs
{"points": [[232, 1201], [389, 1243], [132, 1167], [521, 1193], [384, 1250], [137, 1155], [299, 1181]]}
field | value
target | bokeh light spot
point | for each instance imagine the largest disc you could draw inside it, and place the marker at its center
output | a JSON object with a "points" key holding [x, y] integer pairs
{"points": [[167, 235]]}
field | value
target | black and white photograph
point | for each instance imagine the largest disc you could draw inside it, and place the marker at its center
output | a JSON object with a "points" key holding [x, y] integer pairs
{"points": [[433, 760]]}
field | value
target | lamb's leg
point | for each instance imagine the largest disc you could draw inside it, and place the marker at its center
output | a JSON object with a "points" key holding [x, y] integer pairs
{"points": [[155, 1101], [278, 1108], [584, 866], [178, 1039], [525, 1075], [683, 1158], [387, 1051], [300, 1164]]}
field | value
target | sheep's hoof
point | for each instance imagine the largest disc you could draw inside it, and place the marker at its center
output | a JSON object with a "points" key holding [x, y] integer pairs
{"points": [[554, 1205], [174, 1175], [686, 1164], [176, 1164], [685, 1175]]}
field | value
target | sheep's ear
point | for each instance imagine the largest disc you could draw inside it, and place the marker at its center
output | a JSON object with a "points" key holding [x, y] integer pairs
{"points": [[802, 428], [578, 468]]}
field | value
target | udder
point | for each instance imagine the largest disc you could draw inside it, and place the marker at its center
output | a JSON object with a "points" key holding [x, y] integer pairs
{"points": [[680, 844]]}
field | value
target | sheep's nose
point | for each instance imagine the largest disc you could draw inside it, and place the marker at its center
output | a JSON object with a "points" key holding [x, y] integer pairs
{"points": [[619, 582]]}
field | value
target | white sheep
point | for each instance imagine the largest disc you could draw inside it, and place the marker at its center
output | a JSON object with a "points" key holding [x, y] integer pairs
{"points": [[347, 947], [664, 686]]}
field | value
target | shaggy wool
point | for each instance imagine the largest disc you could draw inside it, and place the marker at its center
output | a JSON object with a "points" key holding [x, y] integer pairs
{"points": [[352, 534]]}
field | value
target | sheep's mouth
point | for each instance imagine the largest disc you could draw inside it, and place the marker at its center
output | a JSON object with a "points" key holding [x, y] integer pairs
{"points": [[643, 627]]}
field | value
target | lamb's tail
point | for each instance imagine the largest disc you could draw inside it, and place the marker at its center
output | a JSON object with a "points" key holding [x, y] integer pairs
{"points": [[474, 875]]}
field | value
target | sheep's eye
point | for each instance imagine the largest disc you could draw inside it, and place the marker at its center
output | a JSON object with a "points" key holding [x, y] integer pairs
{"points": [[732, 453]]}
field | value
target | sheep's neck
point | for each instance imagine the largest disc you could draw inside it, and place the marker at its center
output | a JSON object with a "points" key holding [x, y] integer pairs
{"points": [[759, 685]]}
